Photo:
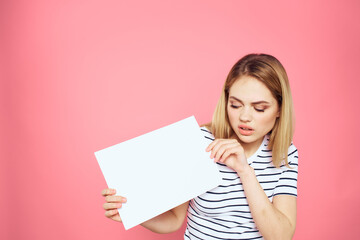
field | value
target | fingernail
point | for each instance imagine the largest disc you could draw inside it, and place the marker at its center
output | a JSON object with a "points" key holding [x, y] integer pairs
{"points": [[124, 200]]}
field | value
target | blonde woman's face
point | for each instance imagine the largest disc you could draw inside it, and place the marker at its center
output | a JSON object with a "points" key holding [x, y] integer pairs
{"points": [[252, 111]]}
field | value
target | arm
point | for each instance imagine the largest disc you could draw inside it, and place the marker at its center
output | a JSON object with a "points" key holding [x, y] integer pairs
{"points": [[167, 222], [274, 220]]}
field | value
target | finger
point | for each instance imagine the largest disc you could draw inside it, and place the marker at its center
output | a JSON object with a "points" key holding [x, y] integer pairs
{"points": [[212, 144], [219, 144], [235, 150], [222, 149], [108, 206], [111, 213], [216, 147], [112, 198], [116, 217], [108, 191]]}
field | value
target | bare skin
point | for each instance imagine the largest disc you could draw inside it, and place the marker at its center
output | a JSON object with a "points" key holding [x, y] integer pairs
{"points": [[252, 112], [167, 222]]}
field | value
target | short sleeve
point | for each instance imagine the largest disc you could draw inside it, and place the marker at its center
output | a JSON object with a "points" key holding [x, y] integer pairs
{"points": [[287, 184], [207, 134]]}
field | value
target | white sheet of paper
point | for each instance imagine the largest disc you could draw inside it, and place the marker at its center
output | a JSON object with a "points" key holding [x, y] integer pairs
{"points": [[159, 170]]}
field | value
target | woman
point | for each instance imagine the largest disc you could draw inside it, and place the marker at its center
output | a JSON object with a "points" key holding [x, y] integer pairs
{"points": [[250, 139]]}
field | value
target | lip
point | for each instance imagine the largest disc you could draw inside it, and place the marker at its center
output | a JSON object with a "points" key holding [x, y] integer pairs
{"points": [[245, 130]]}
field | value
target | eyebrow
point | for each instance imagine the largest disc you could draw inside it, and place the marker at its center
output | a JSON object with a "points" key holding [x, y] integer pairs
{"points": [[258, 102]]}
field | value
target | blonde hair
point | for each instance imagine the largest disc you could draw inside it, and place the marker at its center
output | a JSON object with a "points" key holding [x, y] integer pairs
{"points": [[270, 71]]}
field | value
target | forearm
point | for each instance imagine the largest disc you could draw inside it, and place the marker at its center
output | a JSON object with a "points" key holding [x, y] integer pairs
{"points": [[167, 222], [271, 222], [164, 223]]}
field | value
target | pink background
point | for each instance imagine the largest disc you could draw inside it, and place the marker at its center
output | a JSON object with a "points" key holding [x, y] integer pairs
{"points": [[78, 76]]}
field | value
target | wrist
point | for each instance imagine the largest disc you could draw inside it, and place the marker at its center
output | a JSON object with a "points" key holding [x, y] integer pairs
{"points": [[245, 171]]}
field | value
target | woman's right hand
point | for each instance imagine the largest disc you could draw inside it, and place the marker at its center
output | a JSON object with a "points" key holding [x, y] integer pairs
{"points": [[112, 204]]}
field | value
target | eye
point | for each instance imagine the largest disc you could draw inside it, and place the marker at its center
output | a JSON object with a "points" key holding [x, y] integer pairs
{"points": [[260, 107], [259, 110], [234, 106]]}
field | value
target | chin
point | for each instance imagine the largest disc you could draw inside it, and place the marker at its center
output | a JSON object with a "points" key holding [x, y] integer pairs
{"points": [[246, 139]]}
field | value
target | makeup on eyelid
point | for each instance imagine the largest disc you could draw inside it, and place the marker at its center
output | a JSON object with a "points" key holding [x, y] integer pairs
{"points": [[252, 111], [262, 109]]}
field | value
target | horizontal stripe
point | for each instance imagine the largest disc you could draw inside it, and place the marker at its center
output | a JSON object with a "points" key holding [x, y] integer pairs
{"points": [[285, 193], [221, 164], [212, 139], [212, 222], [202, 129], [222, 171], [257, 162], [224, 213], [235, 214], [234, 191], [241, 225], [274, 181], [288, 186], [197, 230], [192, 234], [263, 169], [287, 178], [205, 218], [221, 200], [231, 185], [268, 174], [220, 207], [216, 231], [231, 179], [291, 171], [292, 153]]}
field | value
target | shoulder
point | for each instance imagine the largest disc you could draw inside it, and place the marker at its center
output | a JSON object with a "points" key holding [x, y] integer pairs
{"points": [[292, 158], [292, 152]]}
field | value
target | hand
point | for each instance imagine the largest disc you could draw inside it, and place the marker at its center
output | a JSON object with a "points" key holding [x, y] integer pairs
{"points": [[229, 152], [112, 204]]}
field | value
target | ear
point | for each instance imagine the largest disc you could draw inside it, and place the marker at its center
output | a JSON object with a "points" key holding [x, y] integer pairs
{"points": [[278, 114]]}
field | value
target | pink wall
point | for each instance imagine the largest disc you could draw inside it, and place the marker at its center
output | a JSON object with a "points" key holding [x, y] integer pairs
{"points": [[78, 76]]}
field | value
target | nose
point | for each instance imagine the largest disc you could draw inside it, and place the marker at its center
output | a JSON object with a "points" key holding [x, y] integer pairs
{"points": [[245, 114]]}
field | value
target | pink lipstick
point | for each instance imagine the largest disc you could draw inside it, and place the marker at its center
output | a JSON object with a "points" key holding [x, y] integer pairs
{"points": [[245, 130]]}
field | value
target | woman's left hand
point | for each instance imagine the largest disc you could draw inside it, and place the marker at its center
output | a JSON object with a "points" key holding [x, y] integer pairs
{"points": [[229, 152]]}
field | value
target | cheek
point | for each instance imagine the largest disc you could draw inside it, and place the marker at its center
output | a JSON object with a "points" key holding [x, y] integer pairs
{"points": [[268, 122], [231, 116]]}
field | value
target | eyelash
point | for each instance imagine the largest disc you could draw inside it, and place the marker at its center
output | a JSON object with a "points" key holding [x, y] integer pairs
{"points": [[258, 110]]}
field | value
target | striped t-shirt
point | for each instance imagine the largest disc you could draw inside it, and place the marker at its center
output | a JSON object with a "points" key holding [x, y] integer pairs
{"points": [[223, 212]]}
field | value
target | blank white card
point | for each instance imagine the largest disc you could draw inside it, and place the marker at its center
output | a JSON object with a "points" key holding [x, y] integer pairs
{"points": [[159, 170]]}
